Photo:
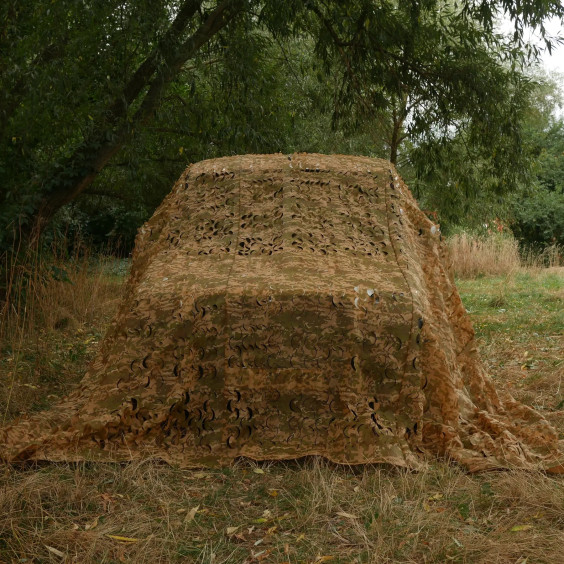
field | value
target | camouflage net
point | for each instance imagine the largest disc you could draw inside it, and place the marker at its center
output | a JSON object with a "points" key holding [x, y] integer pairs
{"points": [[279, 307]]}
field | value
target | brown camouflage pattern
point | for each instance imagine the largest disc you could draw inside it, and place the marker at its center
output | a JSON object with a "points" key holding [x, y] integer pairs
{"points": [[282, 306]]}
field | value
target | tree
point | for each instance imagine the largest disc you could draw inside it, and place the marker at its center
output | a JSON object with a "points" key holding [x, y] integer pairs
{"points": [[80, 79]]}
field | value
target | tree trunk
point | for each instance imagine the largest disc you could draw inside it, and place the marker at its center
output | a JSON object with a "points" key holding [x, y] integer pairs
{"points": [[156, 72]]}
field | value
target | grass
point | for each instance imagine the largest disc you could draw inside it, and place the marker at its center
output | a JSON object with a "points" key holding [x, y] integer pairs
{"points": [[306, 511], [498, 254]]}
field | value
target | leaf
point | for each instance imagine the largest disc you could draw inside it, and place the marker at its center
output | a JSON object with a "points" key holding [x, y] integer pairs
{"points": [[55, 551], [191, 514], [92, 525], [518, 528], [258, 471], [300, 537], [436, 497], [260, 520], [122, 539], [231, 530], [200, 475], [324, 559], [273, 493]]}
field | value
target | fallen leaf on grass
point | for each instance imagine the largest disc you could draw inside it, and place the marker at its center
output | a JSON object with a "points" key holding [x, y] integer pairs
{"points": [[55, 551], [324, 559], [300, 537], [258, 471], [92, 525], [517, 528], [436, 497], [273, 493], [122, 539], [191, 514], [231, 530]]}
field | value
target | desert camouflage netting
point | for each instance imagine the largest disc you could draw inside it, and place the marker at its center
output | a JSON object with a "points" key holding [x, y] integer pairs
{"points": [[287, 306]]}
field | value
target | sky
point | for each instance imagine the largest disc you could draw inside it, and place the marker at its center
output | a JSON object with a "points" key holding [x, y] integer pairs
{"points": [[553, 63]]}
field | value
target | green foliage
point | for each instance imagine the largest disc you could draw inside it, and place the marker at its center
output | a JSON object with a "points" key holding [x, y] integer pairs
{"points": [[537, 210], [538, 219], [102, 104]]}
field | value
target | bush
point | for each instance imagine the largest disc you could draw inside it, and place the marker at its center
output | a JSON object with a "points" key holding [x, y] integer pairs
{"points": [[538, 220]]}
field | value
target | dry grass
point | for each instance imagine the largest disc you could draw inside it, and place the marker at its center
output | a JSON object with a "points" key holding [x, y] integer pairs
{"points": [[306, 511], [497, 254], [51, 318]]}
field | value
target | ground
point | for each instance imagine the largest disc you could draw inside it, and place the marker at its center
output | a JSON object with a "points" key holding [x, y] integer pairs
{"points": [[303, 511]]}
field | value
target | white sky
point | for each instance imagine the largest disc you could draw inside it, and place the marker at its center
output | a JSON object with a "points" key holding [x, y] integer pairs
{"points": [[552, 63]]}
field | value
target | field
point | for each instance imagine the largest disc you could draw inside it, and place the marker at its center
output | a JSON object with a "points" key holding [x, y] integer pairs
{"points": [[302, 511]]}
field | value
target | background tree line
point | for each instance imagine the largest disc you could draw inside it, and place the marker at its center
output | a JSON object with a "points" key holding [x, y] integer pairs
{"points": [[103, 104]]}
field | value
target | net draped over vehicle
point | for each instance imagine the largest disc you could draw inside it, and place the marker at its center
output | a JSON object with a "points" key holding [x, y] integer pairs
{"points": [[282, 306]]}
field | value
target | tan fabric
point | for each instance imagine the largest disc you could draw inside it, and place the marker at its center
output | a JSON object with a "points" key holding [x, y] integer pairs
{"points": [[286, 306]]}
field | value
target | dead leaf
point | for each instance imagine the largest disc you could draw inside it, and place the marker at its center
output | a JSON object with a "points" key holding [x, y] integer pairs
{"points": [[300, 537], [107, 500], [436, 497], [271, 530], [231, 530], [356, 489], [55, 551], [258, 471], [260, 520], [191, 514], [273, 493], [200, 475], [324, 559], [122, 539], [92, 525], [517, 528]]}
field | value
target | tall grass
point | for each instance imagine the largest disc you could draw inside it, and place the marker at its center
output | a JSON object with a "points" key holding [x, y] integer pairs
{"points": [[47, 298], [497, 254]]}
